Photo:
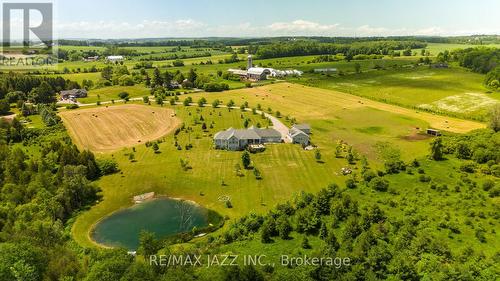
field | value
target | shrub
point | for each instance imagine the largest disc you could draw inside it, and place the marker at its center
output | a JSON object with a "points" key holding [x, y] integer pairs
{"points": [[107, 166], [488, 184], [494, 192], [468, 167], [424, 178], [350, 183], [123, 95], [379, 184], [495, 170], [368, 176], [215, 87], [72, 106]]}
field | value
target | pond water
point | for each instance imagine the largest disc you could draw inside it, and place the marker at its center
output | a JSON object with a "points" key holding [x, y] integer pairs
{"points": [[162, 216]]}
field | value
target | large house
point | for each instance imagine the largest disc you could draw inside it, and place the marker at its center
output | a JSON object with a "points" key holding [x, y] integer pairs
{"points": [[73, 94], [299, 133], [239, 139]]}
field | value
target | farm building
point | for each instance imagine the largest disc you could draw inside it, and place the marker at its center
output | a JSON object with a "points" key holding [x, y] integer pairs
{"points": [[325, 70], [114, 58], [238, 139], [88, 59], [73, 94], [261, 73], [433, 132], [299, 133], [258, 73]]}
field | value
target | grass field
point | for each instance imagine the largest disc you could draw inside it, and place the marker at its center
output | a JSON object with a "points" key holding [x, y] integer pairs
{"points": [[286, 168], [105, 129], [309, 103], [436, 48], [111, 93], [454, 90]]}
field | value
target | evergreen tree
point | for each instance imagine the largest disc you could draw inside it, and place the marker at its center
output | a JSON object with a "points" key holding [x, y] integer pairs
{"points": [[245, 159]]}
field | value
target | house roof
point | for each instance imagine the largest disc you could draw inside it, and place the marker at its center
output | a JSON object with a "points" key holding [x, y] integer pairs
{"points": [[295, 132], [302, 126], [237, 71], [268, 133], [259, 70], [73, 92], [251, 133], [114, 57]]}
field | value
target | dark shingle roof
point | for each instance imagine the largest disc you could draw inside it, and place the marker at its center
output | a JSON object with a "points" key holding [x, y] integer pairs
{"points": [[251, 133], [295, 132], [302, 126]]}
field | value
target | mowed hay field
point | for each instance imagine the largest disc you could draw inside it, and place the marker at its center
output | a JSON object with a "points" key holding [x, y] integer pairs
{"points": [[310, 103], [109, 128], [454, 90]]}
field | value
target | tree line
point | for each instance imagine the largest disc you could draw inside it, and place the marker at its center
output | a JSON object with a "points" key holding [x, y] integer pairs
{"points": [[303, 48], [39, 193], [481, 60]]}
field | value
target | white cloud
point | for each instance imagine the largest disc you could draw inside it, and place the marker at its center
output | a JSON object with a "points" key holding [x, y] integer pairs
{"points": [[302, 26], [430, 31], [146, 28], [194, 28]]}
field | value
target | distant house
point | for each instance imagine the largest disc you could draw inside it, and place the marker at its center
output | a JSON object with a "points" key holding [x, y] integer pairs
{"points": [[73, 94], [299, 133], [239, 139], [325, 70], [175, 85], [439, 65], [88, 59], [114, 58]]}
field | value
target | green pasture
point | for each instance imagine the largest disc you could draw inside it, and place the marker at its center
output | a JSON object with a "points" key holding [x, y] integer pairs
{"points": [[436, 48]]}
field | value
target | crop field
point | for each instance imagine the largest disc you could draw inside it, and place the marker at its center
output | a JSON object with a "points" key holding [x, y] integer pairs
{"points": [[437, 89], [105, 129]]}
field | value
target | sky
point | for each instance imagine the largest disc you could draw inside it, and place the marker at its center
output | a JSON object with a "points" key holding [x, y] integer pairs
{"points": [[112, 19]]}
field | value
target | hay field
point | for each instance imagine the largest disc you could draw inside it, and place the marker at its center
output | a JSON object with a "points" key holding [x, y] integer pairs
{"points": [[107, 129], [309, 103]]}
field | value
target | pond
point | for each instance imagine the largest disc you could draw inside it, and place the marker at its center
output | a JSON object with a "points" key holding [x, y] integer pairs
{"points": [[163, 216]]}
